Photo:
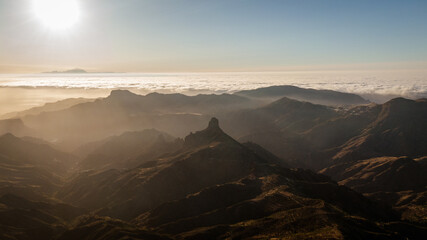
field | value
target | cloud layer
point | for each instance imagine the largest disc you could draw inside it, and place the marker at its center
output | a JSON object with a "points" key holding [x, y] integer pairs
{"points": [[375, 86]]}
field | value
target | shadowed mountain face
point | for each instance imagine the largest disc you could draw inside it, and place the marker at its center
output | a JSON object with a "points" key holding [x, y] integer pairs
{"points": [[280, 127], [23, 219], [399, 181], [284, 114], [399, 129], [315, 136], [214, 185]]}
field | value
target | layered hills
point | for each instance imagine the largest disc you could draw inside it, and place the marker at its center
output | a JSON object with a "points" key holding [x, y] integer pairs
{"points": [[284, 162], [324, 97], [214, 186], [398, 181], [125, 111]]}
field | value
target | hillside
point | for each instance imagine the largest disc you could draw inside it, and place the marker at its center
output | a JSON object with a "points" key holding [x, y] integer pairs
{"points": [[127, 150], [174, 195], [31, 169], [398, 181], [399, 129]]}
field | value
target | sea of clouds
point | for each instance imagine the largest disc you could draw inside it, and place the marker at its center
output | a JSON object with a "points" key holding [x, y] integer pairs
{"points": [[375, 86]]}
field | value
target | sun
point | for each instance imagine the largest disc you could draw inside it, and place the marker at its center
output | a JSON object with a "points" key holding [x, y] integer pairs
{"points": [[57, 14]]}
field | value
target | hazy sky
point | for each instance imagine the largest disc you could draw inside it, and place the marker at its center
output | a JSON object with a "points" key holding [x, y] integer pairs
{"points": [[220, 35]]}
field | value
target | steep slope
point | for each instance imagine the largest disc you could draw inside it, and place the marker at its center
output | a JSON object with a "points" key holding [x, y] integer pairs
{"points": [[15, 126], [399, 181], [167, 103], [280, 127], [400, 129], [126, 150], [31, 169], [201, 153], [35, 153], [324, 97], [21, 219], [214, 186]]}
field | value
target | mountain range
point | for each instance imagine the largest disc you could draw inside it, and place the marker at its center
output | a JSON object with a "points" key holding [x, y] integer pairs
{"points": [[278, 162]]}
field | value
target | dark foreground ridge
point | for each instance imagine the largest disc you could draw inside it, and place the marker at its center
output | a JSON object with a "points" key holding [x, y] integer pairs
{"points": [[208, 189]]}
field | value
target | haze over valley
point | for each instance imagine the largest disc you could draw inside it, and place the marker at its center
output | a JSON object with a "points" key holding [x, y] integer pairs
{"points": [[145, 162], [213, 120]]}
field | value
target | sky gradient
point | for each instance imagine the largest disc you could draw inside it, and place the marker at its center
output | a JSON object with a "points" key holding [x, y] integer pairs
{"points": [[221, 35]]}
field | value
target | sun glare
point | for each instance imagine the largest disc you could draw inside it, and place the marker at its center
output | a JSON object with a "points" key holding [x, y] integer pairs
{"points": [[57, 14]]}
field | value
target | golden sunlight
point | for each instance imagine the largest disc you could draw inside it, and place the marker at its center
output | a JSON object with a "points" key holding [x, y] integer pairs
{"points": [[57, 14]]}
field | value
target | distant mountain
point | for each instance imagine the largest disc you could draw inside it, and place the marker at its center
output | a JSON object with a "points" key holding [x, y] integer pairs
{"points": [[284, 114], [124, 111], [32, 152], [75, 70], [214, 185], [324, 97], [48, 107]]}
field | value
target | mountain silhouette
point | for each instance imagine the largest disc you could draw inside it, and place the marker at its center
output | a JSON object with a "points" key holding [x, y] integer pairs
{"points": [[324, 97]]}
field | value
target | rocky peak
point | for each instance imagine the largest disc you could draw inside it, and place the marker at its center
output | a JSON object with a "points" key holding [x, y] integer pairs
{"points": [[213, 133], [213, 124]]}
